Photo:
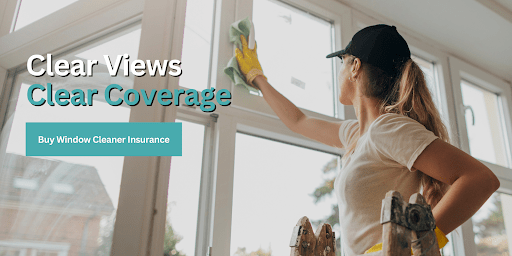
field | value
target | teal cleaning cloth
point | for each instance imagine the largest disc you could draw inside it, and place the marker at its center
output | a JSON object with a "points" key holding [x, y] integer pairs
{"points": [[241, 27]]}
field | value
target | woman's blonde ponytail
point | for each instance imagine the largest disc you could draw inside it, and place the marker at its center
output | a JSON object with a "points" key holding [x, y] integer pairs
{"points": [[413, 99]]}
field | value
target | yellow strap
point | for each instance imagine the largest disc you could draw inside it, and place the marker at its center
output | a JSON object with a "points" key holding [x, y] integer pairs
{"points": [[375, 248], [441, 240]]}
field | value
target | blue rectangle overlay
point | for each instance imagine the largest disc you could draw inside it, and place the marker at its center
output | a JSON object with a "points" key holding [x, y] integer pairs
{"points": [[104, 139]]}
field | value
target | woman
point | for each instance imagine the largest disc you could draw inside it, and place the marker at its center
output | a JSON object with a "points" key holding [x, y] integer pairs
{"points": [[398, 141]]}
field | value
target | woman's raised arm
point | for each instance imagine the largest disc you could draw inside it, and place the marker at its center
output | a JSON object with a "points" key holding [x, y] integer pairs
{"points": [[313, 128], [316, 129]]}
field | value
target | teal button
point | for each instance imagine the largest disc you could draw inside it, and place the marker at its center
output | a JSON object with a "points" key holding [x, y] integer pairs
{"points": [[104, 139]]}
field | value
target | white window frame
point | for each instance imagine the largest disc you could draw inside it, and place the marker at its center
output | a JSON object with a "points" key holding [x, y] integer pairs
{"points": [[463, 71], [143, 194], [460, 70], [10, 8], [58, 31], [250, 114], [329, 10], [231, 121], [141, 209]]}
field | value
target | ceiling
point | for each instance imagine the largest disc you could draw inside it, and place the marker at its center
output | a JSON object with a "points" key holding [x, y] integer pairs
{"points": [[476, 31]]}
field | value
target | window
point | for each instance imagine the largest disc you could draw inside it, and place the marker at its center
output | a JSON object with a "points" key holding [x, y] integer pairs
{"points": [[195, 57], [493, 226], [429, 72], [183, 193], [292, 45], [482, 103], [78, 181], [56, 199], [274, 186], [483, 123], [483, 115], [33, 10]]}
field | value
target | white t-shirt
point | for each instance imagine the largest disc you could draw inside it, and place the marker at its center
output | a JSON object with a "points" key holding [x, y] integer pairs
{"points": [[381, 161]]}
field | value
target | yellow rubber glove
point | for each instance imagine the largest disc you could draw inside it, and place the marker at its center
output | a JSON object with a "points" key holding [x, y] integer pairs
{"points": [[441, 241], [248, 62]]}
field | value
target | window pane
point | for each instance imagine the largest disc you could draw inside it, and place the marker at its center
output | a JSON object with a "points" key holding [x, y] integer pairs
{"points": [[64, 205], [493, 226], [448, 248], [195, 56], [428, 70], [183, 193], [33, 10], [275, 184], [292, 46], [483, 123]]}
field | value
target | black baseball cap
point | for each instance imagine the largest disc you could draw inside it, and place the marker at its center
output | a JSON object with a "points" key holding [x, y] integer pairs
{"points": [[379, 45]]}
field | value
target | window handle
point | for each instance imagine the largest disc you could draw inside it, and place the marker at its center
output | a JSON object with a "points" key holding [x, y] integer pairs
{"points": [[465, 108]]}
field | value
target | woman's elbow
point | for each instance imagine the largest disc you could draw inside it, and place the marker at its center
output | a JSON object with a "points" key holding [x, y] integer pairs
{"points": [[492, 183], [294, 124], [495, 182]]}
